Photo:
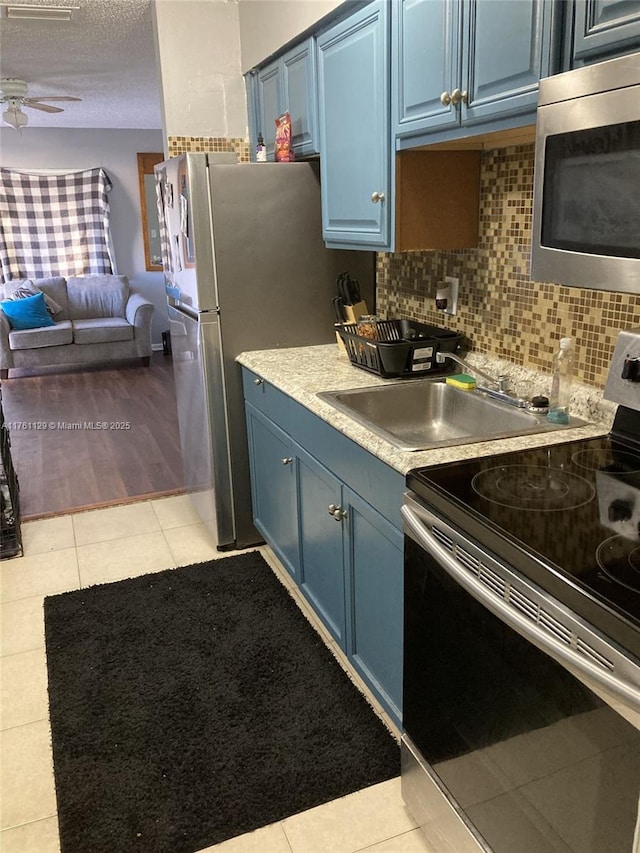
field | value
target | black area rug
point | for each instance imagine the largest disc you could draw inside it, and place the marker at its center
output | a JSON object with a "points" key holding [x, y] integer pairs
{"points": [[197, 704]]}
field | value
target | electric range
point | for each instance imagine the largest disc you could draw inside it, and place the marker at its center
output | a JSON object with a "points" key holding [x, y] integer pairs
{"points": [[521, 680], [567, 517]]}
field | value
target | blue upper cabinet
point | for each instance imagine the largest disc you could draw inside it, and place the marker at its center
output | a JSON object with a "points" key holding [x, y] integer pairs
{"points": [[476, 62], [301, 96], [287, 84], [354, 119], [603, 29], [270, 102], [426, 59], [506, 50]]}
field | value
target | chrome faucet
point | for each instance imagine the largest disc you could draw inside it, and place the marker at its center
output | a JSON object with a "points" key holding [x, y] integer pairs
{"points": [[500, 391]]}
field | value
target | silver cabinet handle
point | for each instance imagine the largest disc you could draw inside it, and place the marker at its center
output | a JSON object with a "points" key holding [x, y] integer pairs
{"points": [[287, 460], [258, 381], [376, 197], [445, 99]]}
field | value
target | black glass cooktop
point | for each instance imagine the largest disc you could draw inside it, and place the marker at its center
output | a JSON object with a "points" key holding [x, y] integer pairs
{"points": [[566, 516]]}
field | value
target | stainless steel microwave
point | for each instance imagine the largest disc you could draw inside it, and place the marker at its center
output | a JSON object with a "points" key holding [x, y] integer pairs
{"points": [[586, 197]]}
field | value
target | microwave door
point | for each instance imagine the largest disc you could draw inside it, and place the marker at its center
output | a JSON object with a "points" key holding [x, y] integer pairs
{"points": [[586, 212]]}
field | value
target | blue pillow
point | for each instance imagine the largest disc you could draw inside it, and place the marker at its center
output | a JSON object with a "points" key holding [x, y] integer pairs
{"points": [[28, 313]]}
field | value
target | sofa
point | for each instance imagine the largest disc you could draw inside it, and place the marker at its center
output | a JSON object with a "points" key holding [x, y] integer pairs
{"points": [[84, 320]]}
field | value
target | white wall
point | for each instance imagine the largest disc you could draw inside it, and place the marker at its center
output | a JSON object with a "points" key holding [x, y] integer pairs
{"points": [[198, 53], [115, 151], [203, 48], [266, 25]]}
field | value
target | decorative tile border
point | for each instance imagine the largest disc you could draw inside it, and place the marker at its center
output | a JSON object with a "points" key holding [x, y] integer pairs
{"points": [[500, 309], [210, 144]]}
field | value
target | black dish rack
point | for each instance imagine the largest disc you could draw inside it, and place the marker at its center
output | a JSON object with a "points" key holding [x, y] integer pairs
{"points": [[401, 348]]}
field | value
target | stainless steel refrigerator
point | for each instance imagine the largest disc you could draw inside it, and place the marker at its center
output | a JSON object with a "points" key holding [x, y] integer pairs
{"points": [[245, 268]]}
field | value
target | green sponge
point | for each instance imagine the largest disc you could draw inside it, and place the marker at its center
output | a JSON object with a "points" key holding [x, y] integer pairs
{"points": [[462, 380]]}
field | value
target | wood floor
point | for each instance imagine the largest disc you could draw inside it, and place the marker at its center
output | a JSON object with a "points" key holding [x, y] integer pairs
{"points": [[85, 438]]}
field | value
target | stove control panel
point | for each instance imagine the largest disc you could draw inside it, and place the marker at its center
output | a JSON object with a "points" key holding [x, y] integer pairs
{"points": [[631, 369], [623, 381]]}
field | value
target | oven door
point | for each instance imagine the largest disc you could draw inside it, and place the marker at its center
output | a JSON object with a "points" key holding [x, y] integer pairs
{"points": [[524, 754]]}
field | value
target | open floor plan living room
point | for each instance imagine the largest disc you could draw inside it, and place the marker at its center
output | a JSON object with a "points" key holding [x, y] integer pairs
{"points": [[83, 439]]}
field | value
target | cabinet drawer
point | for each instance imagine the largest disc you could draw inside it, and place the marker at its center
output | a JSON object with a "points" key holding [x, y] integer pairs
{"points": [[267, 399]]}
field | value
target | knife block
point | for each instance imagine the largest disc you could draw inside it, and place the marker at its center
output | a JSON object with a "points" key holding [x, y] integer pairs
{"points": [[352, 314]]}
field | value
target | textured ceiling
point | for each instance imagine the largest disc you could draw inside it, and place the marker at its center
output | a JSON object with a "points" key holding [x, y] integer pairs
{"points": [[104, 55]]}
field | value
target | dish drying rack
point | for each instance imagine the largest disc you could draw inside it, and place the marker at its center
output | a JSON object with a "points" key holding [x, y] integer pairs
{"points": [[400, 348]]}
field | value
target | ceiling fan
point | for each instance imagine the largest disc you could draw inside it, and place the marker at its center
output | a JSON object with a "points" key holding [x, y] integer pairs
{"points": [[13, 93]]}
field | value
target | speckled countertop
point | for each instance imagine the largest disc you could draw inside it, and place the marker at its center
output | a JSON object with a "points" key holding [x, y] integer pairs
{"points": [[303, 372]]}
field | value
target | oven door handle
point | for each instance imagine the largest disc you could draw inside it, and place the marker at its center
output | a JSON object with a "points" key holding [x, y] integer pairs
{"points": [[625, 691]]}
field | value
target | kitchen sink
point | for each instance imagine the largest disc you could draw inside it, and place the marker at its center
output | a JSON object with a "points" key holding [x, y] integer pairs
{"points": [[422, 414]]}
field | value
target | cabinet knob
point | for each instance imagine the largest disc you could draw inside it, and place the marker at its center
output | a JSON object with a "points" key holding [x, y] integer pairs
{"points": [[458, 96], [258, 381], [287, 460], [376, 197], [336, 512]]}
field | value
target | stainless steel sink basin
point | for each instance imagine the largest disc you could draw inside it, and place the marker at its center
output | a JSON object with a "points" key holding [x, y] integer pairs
{"points": [[421, 414]]}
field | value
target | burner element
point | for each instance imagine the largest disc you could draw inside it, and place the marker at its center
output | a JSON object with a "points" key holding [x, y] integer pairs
{"points": [[619, 559], [533, 487], [610, 460]]}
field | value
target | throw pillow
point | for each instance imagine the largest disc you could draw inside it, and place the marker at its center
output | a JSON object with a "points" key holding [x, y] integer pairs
{"points": [[25, 287], [30, 312]]}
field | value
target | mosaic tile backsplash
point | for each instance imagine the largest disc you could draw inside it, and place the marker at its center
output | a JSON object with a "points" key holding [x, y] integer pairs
{"points": [[211, 144], [500, 310]]}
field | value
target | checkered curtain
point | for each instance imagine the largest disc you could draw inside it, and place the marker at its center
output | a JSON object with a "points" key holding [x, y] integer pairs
{"points": [[54, 224]]}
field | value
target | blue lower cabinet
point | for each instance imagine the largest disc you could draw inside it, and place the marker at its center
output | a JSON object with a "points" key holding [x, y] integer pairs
{"points": [[344, 553], [273, 487], [321, 574], [374, 591]]}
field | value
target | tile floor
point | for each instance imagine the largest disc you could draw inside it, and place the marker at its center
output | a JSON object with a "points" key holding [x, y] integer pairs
{"points": [[77, 550]]}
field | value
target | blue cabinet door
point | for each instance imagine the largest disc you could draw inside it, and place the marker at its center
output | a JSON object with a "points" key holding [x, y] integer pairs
{"points": [[273, 487], [354, 115], [270, 103], [288, 83], [462, 63], [301, 97], [321, 567], [425, 64], [603, 29], [251, 88], [374, 588], [506, 51]]}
